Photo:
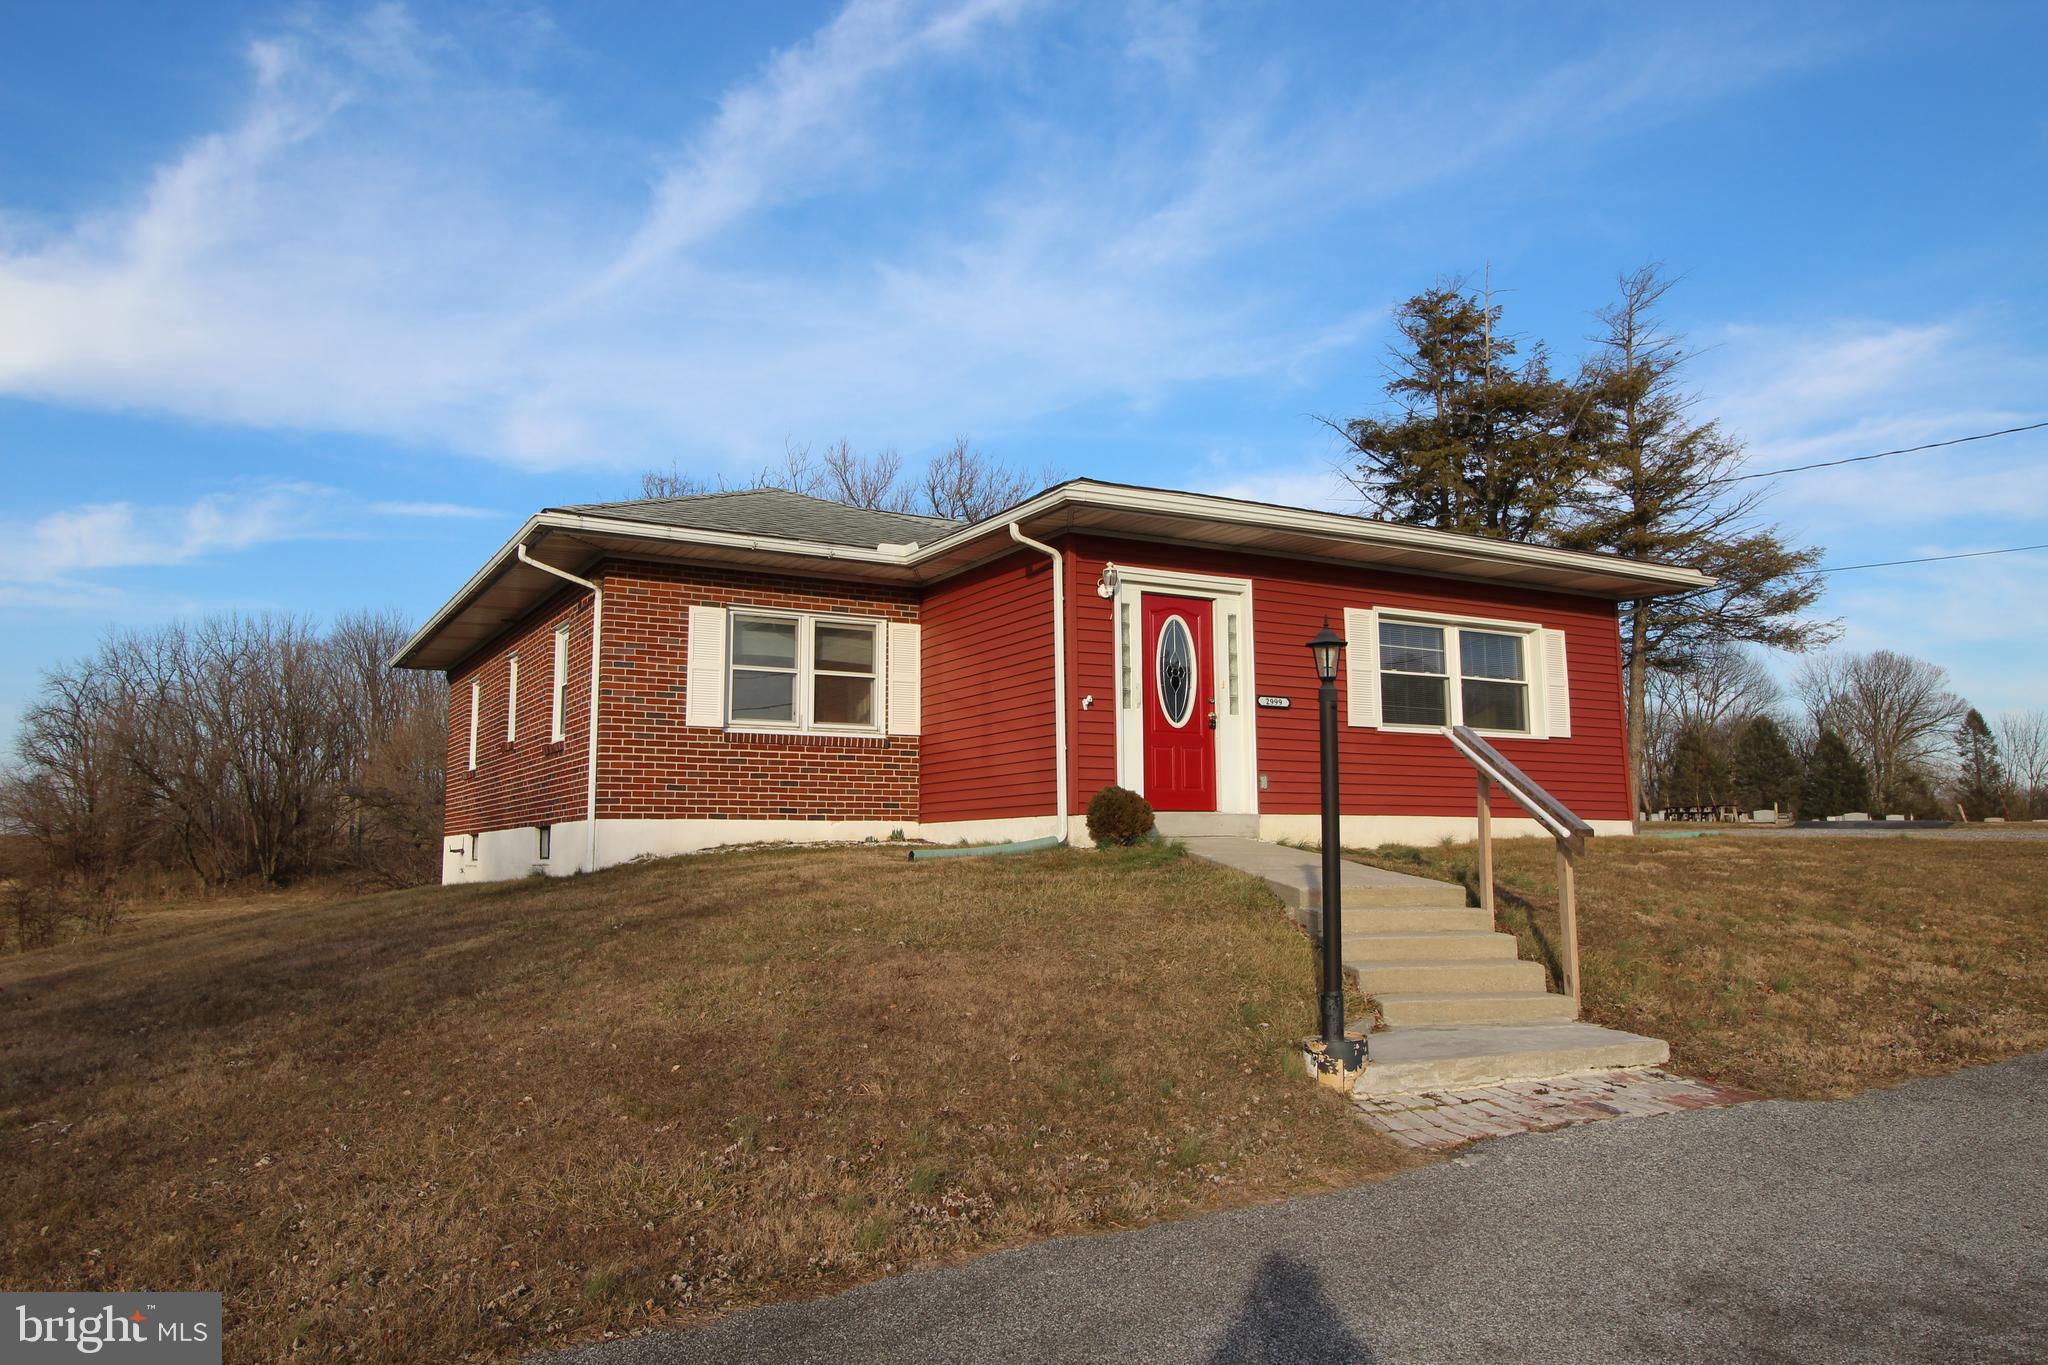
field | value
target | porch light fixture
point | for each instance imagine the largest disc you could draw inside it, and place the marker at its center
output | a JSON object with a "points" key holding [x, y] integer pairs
{"points": [[1341, 1051]]}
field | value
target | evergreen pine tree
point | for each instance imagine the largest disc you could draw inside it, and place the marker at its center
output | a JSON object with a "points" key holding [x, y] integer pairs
{"points": [[1836, 780], [1766, 774], [1699, 773], [1980, 781], [1479, 441]]}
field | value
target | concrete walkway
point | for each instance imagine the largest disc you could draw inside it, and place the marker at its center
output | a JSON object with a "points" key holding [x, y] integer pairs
{"points": [[1902, 1225]]}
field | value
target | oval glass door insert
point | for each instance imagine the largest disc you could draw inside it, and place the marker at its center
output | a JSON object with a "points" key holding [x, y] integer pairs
{"points": [[1176, 666]]}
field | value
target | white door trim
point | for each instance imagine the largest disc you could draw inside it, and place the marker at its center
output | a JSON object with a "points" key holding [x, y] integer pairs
{"points": [[1237, 754]]}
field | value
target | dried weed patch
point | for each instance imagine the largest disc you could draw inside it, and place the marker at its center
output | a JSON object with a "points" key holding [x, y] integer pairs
{"points": [[1801, 967], [461, 1123]]}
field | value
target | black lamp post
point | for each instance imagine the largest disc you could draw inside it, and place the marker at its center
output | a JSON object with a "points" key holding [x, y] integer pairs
{"points": [[1327, 648]]}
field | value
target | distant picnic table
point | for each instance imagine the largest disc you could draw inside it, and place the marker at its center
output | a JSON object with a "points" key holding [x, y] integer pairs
{"points": [[1704, 814]]}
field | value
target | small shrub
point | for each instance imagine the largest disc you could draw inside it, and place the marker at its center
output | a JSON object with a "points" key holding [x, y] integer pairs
{"points": [[1118, 816]]}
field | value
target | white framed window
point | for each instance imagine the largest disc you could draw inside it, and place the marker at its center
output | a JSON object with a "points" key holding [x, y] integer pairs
{"points": [[512, 699], [476, 708], [1434, 674], [787, 671], [544, 842], [558, 709]]}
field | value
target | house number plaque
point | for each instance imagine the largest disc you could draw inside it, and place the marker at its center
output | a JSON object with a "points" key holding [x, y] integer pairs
{"points": [[1276, 703]]}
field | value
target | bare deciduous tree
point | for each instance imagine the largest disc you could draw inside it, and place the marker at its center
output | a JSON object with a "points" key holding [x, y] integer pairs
{"points": [[960, 483], [1896, 711], [964, 485], [2023, 739], [234, 747], [1705, 708]]}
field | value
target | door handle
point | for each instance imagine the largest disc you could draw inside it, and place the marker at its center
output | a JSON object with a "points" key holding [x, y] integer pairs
{"points": [[1212, 713]]}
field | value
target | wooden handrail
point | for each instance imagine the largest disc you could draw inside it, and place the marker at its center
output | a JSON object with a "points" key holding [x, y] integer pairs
{"points": [[1567, 829]]}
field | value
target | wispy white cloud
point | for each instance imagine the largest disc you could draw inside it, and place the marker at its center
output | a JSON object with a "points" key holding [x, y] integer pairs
{"points": [[76, 558], [402, 238], [1803, 395], [117, 535], [454, 510]]}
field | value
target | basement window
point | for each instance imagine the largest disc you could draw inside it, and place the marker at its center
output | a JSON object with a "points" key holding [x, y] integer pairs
{"points": [[809, 673], [544, 842]]}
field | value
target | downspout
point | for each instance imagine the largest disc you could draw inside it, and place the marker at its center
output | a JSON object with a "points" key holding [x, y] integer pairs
{"points": [[596, 642], [1059, 669]]}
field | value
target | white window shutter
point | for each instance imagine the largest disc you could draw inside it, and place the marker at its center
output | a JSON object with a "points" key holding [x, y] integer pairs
{"points": [[1361, 667], [1557, 688], [906, 681], [704, 683]]}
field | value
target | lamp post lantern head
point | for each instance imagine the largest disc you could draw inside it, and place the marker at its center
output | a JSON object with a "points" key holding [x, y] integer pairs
{"points": [[1327, 647]]}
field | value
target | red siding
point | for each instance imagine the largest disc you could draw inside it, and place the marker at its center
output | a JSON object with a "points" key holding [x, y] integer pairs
{"points": [[1382, 773], [988, 692], [651, 766], [530, 781]]}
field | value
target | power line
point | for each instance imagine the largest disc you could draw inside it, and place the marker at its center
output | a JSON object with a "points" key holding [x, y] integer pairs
{"points": [[1902, 450], [1932, 559]]}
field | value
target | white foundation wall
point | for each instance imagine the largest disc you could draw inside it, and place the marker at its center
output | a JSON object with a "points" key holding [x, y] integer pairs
{"points": [[503, 854], [498, 855]]}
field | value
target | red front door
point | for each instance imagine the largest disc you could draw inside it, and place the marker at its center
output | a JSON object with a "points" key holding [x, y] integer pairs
{"points": [[1180, 705]]}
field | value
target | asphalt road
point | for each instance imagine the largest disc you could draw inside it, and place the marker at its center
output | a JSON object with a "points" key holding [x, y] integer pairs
{"points": [[1904, 1224]]}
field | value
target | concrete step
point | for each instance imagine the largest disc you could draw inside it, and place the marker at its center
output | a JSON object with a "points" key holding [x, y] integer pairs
{"points": [[1470, 976], [1415, 919], [1480, 945], [1406, 1060], [1200, 824], [1412, 1008]]}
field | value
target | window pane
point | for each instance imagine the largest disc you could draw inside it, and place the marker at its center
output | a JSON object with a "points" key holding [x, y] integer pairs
{"points": [[845, 649], [1411, 649], [1496, 705], [843, 700], [1408, 700], [1483, 654], [763, 696], [771, 644]]}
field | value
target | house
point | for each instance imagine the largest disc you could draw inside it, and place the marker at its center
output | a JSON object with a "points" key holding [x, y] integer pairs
{"points": [[763, 665]]}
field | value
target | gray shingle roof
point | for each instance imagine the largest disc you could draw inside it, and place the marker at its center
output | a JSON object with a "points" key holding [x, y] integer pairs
{"points": [[776, 512]]}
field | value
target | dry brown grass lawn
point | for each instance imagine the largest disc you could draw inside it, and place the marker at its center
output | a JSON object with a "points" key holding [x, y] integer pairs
{"points": [[1801, 967], [458, 1123]]}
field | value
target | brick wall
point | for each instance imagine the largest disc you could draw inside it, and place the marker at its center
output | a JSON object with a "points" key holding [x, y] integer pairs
{"points": [[532, 780], [652, 766]]}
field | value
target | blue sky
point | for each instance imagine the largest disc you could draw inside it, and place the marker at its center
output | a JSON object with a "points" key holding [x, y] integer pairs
{"points": [[303, 308]]}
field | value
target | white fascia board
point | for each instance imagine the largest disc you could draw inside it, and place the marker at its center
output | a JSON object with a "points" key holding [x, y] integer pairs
{"points": [[476, 584], [1195, 506], [639, 530], [1337, 526], [636, 530]]}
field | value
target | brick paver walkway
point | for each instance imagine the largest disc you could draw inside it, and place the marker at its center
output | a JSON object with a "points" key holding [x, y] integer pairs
{"points": [[1441, 1119]]}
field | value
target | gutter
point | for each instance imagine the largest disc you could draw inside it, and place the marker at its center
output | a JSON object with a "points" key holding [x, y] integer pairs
{"points": [[1059, 669], [596, 648]]}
